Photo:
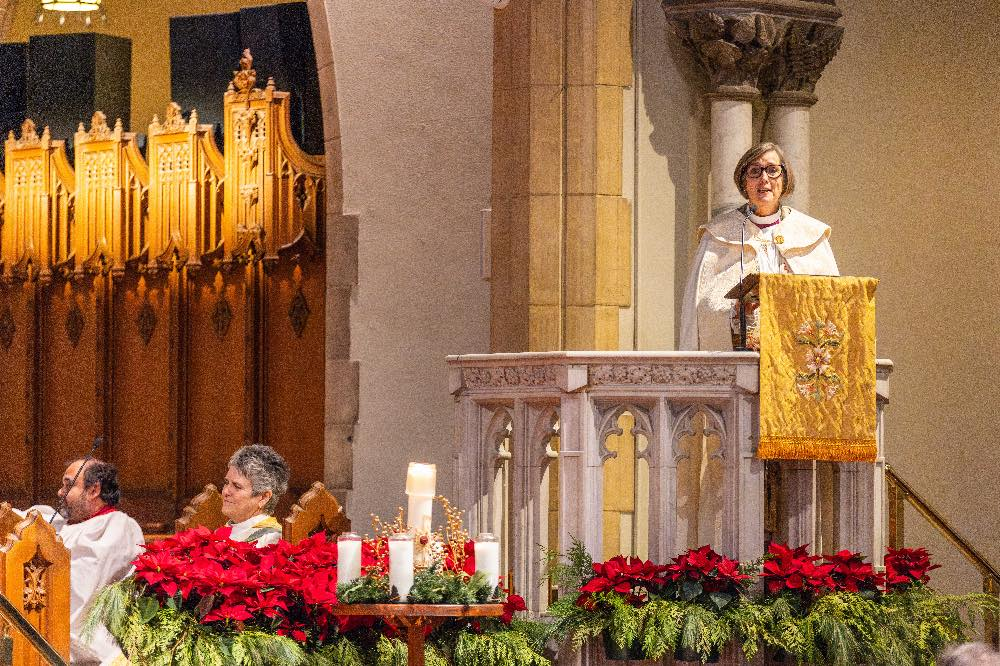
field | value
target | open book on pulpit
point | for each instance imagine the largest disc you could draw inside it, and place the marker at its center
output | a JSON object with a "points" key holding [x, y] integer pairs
{"points": [[817, 364]]}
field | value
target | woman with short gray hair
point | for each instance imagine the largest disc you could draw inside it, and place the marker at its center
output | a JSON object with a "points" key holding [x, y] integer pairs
{"points": [[256, 480]]}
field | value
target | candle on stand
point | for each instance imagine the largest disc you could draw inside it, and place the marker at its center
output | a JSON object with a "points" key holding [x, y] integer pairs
{"points": [[419, 510], [487, 549], [421, 479], [420, 483], [401, 563], [348, 557]]}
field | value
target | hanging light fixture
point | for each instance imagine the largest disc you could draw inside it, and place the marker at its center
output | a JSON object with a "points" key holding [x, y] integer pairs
{"points": [[84, 9]]}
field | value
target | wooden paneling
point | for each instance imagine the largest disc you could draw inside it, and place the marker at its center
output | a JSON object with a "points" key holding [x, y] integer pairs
{"points": [[17, 351], [295, 352], [70, 395], [216, 351], [174, 310], [142, 416]]}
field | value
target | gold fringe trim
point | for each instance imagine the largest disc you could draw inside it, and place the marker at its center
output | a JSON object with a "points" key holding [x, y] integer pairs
{"points": [[817, 448]]}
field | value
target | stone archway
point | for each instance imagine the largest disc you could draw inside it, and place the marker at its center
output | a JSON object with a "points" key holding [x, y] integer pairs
{"points": [[342, 378]]}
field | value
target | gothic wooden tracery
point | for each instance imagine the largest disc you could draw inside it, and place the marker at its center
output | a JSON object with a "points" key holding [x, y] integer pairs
{"points": [[174, 306]]}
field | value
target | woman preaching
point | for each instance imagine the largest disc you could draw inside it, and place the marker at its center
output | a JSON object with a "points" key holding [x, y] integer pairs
{"points": [[766, 236]]}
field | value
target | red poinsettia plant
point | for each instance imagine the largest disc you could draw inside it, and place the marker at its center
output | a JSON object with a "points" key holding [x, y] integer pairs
{"points": [[704, 576], [285, 588], [850, 573], [906, 568], [793, 571], [631, 577]]}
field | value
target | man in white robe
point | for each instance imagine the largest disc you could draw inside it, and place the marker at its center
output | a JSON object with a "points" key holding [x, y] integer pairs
{"points": [[102, 542]]}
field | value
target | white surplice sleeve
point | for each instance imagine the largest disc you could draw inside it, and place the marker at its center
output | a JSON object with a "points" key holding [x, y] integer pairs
{"points": [[102, 550]]}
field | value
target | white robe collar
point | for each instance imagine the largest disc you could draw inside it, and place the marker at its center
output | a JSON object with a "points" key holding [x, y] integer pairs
{"points": [[797, 229], [245, 528]]}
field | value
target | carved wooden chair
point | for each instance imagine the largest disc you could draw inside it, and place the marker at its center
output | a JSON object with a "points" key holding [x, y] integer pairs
{"points": [[316, 511], [34, 576], [205, 509], [8, 520]]}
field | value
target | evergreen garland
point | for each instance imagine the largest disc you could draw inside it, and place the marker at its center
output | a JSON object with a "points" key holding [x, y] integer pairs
{"points": [[155, 635], [365, 590], [661, 631], [433, 586]]}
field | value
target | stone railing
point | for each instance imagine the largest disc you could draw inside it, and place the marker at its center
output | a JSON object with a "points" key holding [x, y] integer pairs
{"points": [[537, 434]]}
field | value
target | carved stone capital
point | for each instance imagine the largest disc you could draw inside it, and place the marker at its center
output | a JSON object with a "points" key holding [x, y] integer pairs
{"points": [[791, 98], [747, 46], [804, 50], [732, 48]]}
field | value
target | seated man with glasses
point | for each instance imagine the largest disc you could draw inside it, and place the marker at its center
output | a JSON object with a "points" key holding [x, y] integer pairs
{"points": [[762, 235], [102, 542]]}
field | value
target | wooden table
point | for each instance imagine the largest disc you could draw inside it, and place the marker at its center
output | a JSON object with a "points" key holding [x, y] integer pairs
{"points": [[415, 617]]}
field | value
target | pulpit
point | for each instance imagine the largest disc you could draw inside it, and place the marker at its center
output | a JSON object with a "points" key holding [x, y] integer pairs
{"points": [[539, 436]]}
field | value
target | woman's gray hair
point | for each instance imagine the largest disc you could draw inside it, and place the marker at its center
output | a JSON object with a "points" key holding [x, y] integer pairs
{"points": [[970, 654], [787, 175], [265, 469]]}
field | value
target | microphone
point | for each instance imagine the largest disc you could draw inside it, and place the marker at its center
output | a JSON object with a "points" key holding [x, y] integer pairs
{"points": [[62, 503], [751, 209]]}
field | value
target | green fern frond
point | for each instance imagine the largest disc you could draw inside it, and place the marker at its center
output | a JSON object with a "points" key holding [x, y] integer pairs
{"points": [[624, 620], [568, 572], [504, 648], [342, 652], [111, 608], [258, 647]]}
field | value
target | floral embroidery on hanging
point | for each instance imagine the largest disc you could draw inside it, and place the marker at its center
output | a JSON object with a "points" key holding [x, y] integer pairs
{"points": [[822, 339]]}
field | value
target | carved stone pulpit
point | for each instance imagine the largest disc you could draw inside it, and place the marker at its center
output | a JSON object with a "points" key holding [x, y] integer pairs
{"points": [[542, 438]]}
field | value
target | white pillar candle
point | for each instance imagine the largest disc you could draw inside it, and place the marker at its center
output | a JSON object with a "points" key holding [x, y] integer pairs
{"points": [[401, 563], [421, 479], [348, 557], [419, 512], [487, 549]]}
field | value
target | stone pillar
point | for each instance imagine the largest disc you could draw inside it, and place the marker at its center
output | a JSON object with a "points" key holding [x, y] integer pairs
{"points": [[788, 126], [804, 50], [732, 46], [732, 134], [561, 230]]}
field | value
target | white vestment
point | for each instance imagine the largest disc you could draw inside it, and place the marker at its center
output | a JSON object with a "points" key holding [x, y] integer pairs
{"points": [[267, 529], [802, 245], [101, 550]]}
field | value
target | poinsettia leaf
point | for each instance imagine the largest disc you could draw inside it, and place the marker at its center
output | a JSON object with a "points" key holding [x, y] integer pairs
{"points": [[690, 589], [720, 599], [148, 608]]}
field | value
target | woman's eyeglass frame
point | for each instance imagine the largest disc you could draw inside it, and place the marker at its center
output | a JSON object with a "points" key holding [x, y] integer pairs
{"points": [[755, 171]]}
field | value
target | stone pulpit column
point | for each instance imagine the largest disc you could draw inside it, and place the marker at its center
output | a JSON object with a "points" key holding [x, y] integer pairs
{"points": [[561, 229], [804, 50], [732, 46]]}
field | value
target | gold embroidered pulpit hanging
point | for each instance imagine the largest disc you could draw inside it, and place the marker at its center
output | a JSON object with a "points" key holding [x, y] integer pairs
{"points": [[817, 368]]}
